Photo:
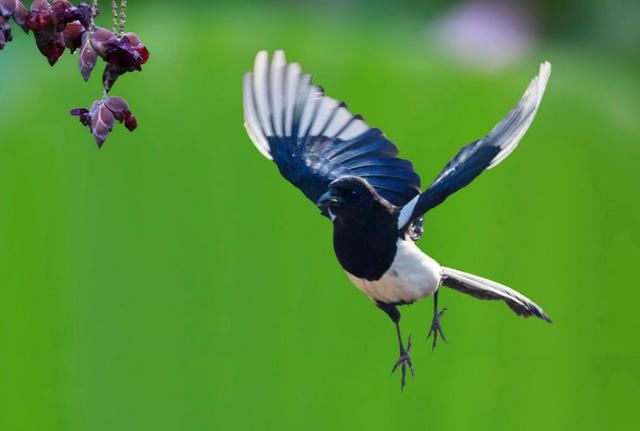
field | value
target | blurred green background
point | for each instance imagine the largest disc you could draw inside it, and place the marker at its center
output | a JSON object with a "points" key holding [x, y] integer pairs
{"points": [[172, 280]]}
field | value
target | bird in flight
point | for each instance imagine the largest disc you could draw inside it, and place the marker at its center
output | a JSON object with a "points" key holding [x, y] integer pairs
{"points": [[351, 172]]}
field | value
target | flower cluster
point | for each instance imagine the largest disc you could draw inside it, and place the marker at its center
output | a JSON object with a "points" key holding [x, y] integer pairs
{"points": [[59, 25], [48, 21], [102, 115], [124, 53]]}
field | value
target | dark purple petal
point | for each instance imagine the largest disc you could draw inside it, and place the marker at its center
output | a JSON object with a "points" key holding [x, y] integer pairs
{"points": [[38, 21], [5, 32], [73, 33], [123, 57], [101, 124], [51, 45], [79, 111], [85, 118], [102, 40], [40, 17], [59, 7], [20, 17], [3, 40], [81, 13], [42, 21], [121, 112], [137, 44], [117, 105], [8, 7], [120, 55], [88, 58], [130, 122], [58, 13], [39, 5]]}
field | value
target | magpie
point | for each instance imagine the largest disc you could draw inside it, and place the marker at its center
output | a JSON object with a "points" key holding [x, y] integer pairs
{"points": [[351, 172]]}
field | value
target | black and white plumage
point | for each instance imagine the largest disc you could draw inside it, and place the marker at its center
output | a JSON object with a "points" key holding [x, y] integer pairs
{"points": [[352, 173]]}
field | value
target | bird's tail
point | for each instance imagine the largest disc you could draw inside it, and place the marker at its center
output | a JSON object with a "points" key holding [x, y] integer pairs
{"points": [[486, 289]]}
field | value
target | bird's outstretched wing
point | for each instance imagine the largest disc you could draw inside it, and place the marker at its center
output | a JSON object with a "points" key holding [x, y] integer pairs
{"points": [[314, 139], [482, 154]]}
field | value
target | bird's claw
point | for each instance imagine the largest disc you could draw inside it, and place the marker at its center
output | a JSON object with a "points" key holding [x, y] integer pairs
{"points": [[403, 362], [436, 328]]}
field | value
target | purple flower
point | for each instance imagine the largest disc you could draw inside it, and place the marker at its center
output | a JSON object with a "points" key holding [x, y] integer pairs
{"points": [[49, 23], [122, 54], [137, 44], [64, 12], [39, 17], [102, 115], [72, 34], [20, 16], [88, 57], [121, 112]]}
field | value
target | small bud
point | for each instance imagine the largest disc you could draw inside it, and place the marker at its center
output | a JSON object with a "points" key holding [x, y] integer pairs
{"points": [[73, 33], [88, 57], [101, 124], [51, 45], [20, 16]]}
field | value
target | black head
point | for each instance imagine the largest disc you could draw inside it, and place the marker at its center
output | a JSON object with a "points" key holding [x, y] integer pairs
{"points": [[351, 197]]}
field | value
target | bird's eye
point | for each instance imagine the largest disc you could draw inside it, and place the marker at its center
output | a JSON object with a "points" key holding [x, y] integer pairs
{"points": [[353, 193]]}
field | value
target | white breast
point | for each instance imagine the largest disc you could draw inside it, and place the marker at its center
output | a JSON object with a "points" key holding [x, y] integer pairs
{"points": [[413, 275]]}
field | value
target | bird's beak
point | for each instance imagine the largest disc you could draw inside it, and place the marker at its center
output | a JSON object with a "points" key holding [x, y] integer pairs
{"points": [[329, 200]]}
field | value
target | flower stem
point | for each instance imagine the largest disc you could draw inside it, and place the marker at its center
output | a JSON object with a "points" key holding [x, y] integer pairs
{"points": [[114, 15], [123, 15], [94, 13]]}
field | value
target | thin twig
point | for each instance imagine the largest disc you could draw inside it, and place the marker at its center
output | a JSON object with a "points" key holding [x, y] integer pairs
{"points": [[94, 13], [123, 15], [114, 13]]}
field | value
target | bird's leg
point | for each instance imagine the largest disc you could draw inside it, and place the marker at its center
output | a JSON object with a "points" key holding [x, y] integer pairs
{"points": [[436, 328], [404, 359]]}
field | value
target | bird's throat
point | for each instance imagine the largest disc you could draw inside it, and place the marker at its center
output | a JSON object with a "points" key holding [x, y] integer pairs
{"points": [[365, 250]]}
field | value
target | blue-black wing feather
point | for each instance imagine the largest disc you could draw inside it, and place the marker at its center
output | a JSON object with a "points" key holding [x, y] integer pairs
{"points": [[482, 154], [314, 139]]}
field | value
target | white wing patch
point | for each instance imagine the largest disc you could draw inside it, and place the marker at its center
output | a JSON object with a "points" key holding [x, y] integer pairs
{"points": [[340, 119], [406, 212], [325, 110], [276, 91], [353, 129], [293, 76], [508, 132], [261, 91], [251, 122], [279, 100]]}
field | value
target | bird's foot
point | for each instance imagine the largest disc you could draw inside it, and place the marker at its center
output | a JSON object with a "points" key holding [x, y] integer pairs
{"points": [[403, 362], [436, 328]]}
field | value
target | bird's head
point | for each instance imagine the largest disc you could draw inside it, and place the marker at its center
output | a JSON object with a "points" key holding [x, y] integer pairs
{"points": [[350, 196]]}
